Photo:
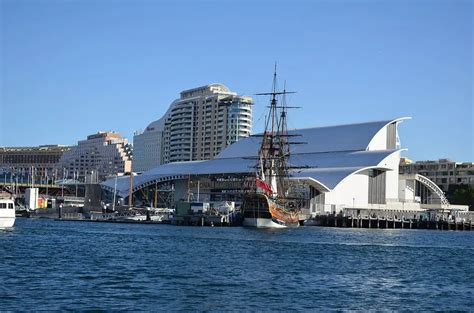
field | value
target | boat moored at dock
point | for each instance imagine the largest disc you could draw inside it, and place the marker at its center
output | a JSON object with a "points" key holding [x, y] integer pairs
{"points": [[7, 213], [270, 205], [263, 212]]}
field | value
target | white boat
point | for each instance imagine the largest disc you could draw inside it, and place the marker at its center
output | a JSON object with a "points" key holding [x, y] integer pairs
{"points": [[7, 213], [136, 217]]}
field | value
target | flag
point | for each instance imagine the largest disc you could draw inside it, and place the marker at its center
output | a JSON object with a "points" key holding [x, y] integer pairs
{"points": [[262, 186]]}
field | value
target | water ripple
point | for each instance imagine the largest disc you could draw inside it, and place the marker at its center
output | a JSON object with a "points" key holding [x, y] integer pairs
{"points": [[52, 265]]}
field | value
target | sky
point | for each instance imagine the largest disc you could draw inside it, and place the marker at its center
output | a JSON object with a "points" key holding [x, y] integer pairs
{"points": [[69, 68]]}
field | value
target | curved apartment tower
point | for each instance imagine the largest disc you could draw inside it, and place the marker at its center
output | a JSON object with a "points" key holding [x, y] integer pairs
{"points": [[148, 145], [197, 126]]}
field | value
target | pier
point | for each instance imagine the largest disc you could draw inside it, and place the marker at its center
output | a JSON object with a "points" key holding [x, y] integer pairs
{"points": [[395, 219]]}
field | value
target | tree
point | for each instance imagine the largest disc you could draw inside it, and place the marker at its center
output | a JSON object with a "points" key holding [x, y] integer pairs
{"points": [[461, 194]]}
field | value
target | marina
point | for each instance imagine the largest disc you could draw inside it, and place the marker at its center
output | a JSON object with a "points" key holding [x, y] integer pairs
{"points": [[346, 175], [351, 218], [242, 156]]}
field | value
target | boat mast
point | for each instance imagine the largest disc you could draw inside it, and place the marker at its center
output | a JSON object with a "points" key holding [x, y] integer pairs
{"points": [[273, 171], [273, 151], [284, 146], [130, 190]]}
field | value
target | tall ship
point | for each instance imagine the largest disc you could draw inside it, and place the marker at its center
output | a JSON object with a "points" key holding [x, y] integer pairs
{"points": [[270, 205], [7, 213]]}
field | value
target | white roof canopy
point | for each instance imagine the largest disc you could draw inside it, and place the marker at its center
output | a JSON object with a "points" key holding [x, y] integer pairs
{"points": [[330, 154]]}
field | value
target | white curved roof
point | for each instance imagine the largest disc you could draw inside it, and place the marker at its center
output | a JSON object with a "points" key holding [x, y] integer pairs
{"points": [[351, 137], [330, 155], [327, 168], [327, 177]]}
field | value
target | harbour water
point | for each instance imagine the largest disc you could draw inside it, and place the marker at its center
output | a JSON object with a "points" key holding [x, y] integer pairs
{"points": [[60, 265]]}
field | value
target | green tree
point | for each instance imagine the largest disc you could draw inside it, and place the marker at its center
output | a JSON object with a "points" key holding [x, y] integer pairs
{"points": [[461, 194]]}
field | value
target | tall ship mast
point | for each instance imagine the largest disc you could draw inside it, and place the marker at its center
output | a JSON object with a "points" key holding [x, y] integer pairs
{"points": [[269, 206]]}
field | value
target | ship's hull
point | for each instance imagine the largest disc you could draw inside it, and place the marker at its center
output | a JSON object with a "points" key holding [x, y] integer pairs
{"points": [[263, 212], [7, 213], [261, 223], [7, 219]]}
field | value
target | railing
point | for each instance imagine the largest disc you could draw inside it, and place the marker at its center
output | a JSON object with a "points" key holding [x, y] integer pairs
{"points": [[38, 185], [72, 216], [318, 208]]}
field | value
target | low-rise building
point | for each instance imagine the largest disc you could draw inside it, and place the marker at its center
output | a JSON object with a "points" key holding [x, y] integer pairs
{"points": [[443, 172], [21, 162]]}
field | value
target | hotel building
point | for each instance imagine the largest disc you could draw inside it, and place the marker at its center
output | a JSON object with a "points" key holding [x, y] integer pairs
{"points": [[197, 126], [99, 156]]}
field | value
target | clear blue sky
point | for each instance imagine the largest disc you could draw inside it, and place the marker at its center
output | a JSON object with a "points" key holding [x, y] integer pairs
{"points": [[71, 68]]}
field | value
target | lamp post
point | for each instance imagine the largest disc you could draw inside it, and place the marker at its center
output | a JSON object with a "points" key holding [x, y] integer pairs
{"points": [[62, 184], [75, 179], [130, 192], [156, 194], [115, 192]]}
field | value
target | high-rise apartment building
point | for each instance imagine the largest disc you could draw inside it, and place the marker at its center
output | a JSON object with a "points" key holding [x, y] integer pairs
{"points": [[148, 145], [100, 155], [197, 126]]}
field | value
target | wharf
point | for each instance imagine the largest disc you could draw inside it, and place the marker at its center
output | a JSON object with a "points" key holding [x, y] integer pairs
{"points": [[81, 218], [395, 220], [87, 215], [189, 220], [81, 215], [205, 220]]}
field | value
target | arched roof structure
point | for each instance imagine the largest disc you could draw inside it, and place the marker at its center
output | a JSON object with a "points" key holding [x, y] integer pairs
{"points": [[330, 155]]}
